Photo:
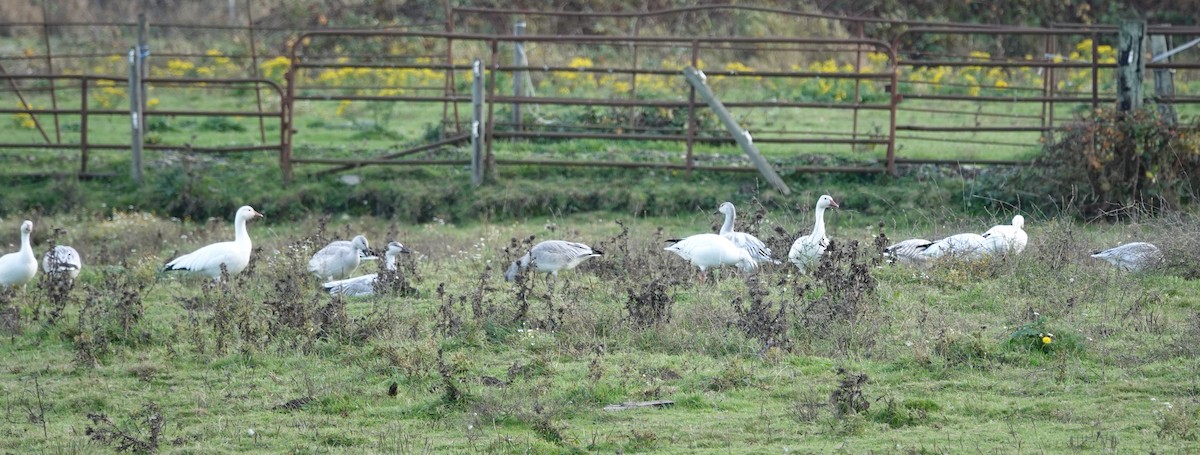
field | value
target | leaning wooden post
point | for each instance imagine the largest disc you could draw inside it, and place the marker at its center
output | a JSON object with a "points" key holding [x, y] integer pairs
{"points": [[696, 79], [476, 122], [1131, 66], [1164, 82], [135, 113]]}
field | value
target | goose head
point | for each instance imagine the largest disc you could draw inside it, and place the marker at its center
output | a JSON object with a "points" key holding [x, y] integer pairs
{"points": [[247, 213], [26, 227], [826, 201], [1018, 222], [726, 208], [360, 243], [394, 248]]}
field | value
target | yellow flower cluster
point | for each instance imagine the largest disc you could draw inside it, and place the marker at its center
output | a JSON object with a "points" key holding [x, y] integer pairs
{"points": [[24, 120]]}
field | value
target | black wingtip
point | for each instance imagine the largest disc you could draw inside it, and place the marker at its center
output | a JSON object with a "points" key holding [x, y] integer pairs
{"points": [[595, 251]]}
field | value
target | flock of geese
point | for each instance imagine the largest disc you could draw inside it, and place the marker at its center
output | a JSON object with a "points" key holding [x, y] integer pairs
{"points": [[334, 263]]}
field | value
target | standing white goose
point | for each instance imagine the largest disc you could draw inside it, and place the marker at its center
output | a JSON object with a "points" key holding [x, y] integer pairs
{"points": [[339, 258], [968, 247], [807, 250], [712, 250], [551, 256], [1132, 257], [757, 249], [20, 267], [365, 284], [234, 255], [910, 252], [62, 259], [1007, 238]]}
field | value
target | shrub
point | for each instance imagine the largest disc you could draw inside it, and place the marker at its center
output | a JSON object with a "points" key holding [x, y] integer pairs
{"points": [[1113, 162]]}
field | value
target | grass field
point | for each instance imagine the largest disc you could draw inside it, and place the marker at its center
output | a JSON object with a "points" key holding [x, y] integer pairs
{"points": [[949, 357]]}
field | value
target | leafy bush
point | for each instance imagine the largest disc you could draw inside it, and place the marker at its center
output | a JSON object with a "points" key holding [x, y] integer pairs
{"points": [[1111, 163]]}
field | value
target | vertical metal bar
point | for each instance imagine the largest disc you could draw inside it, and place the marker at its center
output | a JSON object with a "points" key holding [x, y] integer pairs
{"points": [[1095, 73], [143, 54], [518, 75], [1045, 79], [691, 120], [12, 83], [285, 131], [135, 114], [449, 88], [83, 125], [262, 122], [477, 158], [894, 103], [1051, 72], [50, 70], [633, 118], [490, 162], [857, 83]]}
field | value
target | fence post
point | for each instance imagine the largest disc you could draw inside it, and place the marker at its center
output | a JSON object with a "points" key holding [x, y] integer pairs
{"points": [[518, 75], [476, 122], [135, 113], [1131, 65], [1164, 82]]}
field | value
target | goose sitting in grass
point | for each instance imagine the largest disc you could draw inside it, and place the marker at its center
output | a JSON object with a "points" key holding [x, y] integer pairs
{"points": [[757, 249], [339, 259], [908, 252], [1007, 238], [1132, 257], [365, 285], [551, 256], [62, 259], [712, 250], [959, 246], [19, 267], [235, 255], [807, 250]]}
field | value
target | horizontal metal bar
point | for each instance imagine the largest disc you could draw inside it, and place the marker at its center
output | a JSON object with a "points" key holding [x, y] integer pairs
{"points": [[675, 137], [59, 175], [1009, 99], [354, 162], [148, 114], [972, 129], [628, 164], [331, 97], [230, 149], [965, 141], [901, 108], [962, 161]]}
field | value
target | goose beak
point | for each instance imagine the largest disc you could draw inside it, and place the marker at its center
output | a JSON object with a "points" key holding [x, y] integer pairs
{"points": [[258, 214], [834, 204]]}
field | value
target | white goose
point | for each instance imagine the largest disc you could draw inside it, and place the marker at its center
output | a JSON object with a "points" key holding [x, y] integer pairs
{"points": [[365, 285], [1007, 238], [234, 255], [961, 246], [807, 250], [551, 256], [20, 267], [757, 249], [62, 259], [910, 252], [712, 250], [1132, 257], [339, 259]]}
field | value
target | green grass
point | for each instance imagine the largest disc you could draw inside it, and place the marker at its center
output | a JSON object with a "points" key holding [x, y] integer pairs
{"points": [[943, 375]]}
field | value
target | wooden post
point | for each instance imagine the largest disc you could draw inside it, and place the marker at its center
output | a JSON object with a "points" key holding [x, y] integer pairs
{"points": [[1131, 65], [518, 75], [477, 122], [1164, 83], [696, 79], [135, 114]]}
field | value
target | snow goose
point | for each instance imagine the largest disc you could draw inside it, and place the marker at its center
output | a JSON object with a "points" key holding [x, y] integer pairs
{"points": [[20, 267], [712, 250], [339, 258], [551, 256], [757, 249], [961, 246], [910, 252], [1007, 238], [807, 250], [62, 259], [1132, 257], [234, 255], [365, 285]]}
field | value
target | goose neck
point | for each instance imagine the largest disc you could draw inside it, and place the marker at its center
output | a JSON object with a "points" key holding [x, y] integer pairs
{"points": [[819, 222], [25, 247], [390, 260], [239, 231], [728, 226]]}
